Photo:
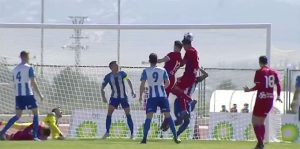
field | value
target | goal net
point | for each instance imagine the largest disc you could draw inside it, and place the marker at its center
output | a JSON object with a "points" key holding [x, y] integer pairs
{"points": [[70, 71]]}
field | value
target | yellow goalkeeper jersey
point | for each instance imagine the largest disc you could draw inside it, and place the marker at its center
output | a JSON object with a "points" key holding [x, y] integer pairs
{"points": [[50, 120]]}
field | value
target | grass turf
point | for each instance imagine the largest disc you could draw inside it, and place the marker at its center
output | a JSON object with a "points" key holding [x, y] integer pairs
{"points": [[129, 144]]}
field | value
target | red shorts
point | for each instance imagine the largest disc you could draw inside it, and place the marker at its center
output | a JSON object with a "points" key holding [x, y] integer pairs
{"points": [[172, 82], [185, 82], [262, 107]]}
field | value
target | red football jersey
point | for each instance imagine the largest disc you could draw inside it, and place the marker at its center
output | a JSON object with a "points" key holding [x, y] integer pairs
{"points": [[174, 63], [265, 80], [191, 60], [26, 134]]}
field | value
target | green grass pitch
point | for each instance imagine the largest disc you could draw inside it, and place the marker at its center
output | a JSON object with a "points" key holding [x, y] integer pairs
{"points": [[129, 144]]}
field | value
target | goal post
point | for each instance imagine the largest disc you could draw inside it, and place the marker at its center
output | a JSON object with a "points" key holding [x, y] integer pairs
{"points": [[77, 89]]}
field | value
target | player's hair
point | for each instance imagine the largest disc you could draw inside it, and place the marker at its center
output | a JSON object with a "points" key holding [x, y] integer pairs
{"points": [[46, 132], [263, 60], [24, 53], [187, 39], [112, 63], [54, 109], [178, 44], [153, 58]]}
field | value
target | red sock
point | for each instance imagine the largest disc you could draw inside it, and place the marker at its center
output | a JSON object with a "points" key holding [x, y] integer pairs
{"points": [[263, 130], [258, 133]]}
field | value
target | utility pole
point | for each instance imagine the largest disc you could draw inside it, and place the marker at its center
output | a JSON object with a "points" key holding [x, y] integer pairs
{"points": [[76, 45]]}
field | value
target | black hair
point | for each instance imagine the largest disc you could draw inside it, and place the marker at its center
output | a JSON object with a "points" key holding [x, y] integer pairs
{"points": [[53, 110], [263, 60], [153, 58], [112, 63], [178, 44], [24, 53]]}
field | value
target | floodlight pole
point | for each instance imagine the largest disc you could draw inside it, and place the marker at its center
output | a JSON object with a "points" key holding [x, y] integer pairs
{"points": [[42, 36], [119, 33]]}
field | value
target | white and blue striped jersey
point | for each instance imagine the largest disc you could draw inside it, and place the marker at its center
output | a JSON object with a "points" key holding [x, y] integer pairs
{"points": [[116, 83], [156, 77], [22, 75]]}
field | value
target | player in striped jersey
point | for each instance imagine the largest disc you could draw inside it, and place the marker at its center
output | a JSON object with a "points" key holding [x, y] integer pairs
{"points": [[118, 95], [158, 80], [24, 80]]}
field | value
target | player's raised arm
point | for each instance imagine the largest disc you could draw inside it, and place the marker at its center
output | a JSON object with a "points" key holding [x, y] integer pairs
{"points": [[34, 83], [163, 60]]}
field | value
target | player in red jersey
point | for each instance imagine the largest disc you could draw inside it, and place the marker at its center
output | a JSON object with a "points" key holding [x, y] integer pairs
{"points": [[172, 63], [26, 133], [191, 62], [265, 80]]}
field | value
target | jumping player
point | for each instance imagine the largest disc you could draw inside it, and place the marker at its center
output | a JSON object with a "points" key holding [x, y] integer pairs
{"points": [[265, 80], [191, 62], [158, 80], [24, 80], [177, 110], [118, 96]]}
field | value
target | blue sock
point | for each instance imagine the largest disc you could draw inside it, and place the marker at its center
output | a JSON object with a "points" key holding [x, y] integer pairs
{"points": [[130, 123], [183, 127], [146, 128], [35, 126], [9, 124], [108, 123], [172, 126]]}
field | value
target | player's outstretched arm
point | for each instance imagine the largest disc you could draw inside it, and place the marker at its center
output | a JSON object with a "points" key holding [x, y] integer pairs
{"points": [[36, 88], [163, 60], [142, 89]]}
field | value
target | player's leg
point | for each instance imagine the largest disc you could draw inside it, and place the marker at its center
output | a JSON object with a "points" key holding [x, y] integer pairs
{"points": [[31, 104], [20, 106], [172, 83], [113, 104], [10, 123], [126, 107], [186, 122], [165, 109], [151, 108]]}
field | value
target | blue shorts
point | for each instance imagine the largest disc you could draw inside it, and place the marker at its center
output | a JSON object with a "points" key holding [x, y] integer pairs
{"points": [[298, 82], [115, 102], [153, 103], [178, 110], [23, 102]]}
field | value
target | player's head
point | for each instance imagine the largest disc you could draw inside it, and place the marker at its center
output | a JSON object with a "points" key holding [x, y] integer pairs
{"points": [[246, 105], [187, 40], [263, 61], [57, 111], [153, 59], [223, 107], [114, 67], [24, 55], [177, 46], [234, 105], [45, 132]]}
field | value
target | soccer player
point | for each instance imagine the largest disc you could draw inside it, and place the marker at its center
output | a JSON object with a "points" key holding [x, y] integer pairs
{"points": [[158, 80], [265, 80], [24, 80], [26, 134], [234, 109], [118, 96], [52, 121], [177, 109], [191, 62], [172, 62]]}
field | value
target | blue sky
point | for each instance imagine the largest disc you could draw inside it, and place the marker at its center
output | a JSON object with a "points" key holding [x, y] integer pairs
{"points": [[230, 46]]}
